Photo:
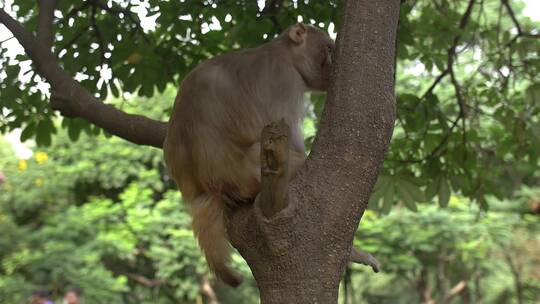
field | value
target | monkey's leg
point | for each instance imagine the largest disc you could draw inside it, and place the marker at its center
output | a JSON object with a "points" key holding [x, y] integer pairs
{"points": [[362, 257]]}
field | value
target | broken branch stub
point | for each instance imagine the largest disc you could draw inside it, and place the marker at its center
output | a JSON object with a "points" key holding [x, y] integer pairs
{"points": [[274, 168]]}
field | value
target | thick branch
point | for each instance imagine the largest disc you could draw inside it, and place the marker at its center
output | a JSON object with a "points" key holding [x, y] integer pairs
{"points": [[45, 33], [298, 255], [73, 100], [359, 115]]}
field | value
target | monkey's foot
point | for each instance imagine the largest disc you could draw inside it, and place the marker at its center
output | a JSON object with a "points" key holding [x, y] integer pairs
{"points": [[362, 257]]}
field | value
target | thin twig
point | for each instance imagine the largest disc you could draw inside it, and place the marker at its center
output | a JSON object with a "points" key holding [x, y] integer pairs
{"points": [[520, 32], [448, 71], [7, 39]]}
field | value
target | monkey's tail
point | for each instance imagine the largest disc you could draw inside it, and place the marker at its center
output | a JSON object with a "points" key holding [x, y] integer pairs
{"points": [[209, 228]]}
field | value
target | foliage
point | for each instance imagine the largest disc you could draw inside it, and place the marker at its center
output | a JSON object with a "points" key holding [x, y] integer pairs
{"points": [[114, 233], [101, 214], [426, 253], [98, 215], [467, 82]]}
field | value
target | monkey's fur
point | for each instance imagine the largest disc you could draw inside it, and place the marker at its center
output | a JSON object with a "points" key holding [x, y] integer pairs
{"points": [[212, 147]]}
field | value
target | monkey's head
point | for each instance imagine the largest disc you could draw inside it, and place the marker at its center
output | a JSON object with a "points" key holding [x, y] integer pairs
{"points": [[312, 51]]}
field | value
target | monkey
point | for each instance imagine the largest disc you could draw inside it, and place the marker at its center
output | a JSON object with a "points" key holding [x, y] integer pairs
{"points": [[212, 146]]}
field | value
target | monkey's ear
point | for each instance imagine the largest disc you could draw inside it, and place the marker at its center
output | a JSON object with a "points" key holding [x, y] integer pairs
{"points": [[298, 33]]}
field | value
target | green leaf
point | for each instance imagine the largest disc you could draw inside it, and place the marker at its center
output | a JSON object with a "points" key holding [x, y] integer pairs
{"points": [[43, 133], [379, 189], [74, 132], [532, 94], [28, 132], [114, 89], [444, 192], [432, 188], [388, 201], [410, 193]]}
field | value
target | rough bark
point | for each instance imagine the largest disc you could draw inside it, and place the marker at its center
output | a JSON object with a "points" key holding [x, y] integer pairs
{"points": [[298, 245], [298, 254]]}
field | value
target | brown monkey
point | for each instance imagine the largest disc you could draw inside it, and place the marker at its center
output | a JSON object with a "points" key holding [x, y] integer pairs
{"points": [[212, 146]]}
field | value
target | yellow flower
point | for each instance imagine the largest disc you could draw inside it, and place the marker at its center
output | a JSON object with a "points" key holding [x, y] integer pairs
{"points": [[41, 157], [23, 165], [39, 181]]}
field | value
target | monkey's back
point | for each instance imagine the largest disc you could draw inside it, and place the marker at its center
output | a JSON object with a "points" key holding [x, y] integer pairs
{"points": [[221, 108]]}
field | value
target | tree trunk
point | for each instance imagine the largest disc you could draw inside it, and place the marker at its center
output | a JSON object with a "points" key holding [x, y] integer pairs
{"points": [[297, 241]]}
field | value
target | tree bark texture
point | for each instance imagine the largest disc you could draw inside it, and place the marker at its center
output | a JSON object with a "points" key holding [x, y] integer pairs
{"points": [[298, 254], [296, 238]]}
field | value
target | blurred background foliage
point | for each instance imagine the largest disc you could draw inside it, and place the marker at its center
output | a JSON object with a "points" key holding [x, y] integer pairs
{"points": [[453, 217]]}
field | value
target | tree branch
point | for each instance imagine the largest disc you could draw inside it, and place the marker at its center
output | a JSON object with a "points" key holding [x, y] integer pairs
{"points": [[73, 100], [457, 289], [274, 168], [365, 258], [7, 39], [298, 255], [270, 10], [75, 11], [449, 70], [452, 50], [512, 15], [45, 33], [133, 18], [520, 32], [363, 120], [143, 280], [97, 33]]}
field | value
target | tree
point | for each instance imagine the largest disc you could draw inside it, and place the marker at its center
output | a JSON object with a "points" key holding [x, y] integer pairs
{"points": [[431, 155], [279, 264]]}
